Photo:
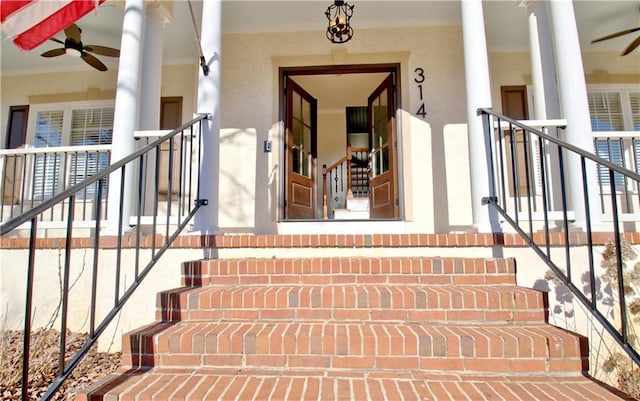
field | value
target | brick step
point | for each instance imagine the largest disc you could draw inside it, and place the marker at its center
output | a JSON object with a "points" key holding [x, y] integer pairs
{"points": [[425, 270], [365, 302], [173, 384], [369, 345]]}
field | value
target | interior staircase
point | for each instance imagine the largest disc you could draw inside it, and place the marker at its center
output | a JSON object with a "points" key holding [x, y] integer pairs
{"points": [[357, 206], [351, 328]]}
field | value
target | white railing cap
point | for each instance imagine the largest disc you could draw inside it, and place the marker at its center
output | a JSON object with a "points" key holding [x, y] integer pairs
{"points": [[56, 149]]}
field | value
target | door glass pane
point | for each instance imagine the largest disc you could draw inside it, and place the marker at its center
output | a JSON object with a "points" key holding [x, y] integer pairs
{"points": [[298, 140], [301, 135], [297, 105], [380, 161], [306, 112], [379, 118], [306, 165], [380, 135], [301, 148]]}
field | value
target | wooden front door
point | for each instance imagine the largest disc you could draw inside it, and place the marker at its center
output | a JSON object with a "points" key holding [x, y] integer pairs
{"points": [[383, 187], [300, 133], [514, 105], [170, 119]]}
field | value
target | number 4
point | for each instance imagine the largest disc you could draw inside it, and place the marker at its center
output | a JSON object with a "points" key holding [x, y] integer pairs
{"points": [[422, 112]]}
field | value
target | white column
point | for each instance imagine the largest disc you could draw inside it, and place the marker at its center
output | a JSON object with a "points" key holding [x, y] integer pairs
{"points": [[206, 220], [151, 80], [150, 90], [125, 119], [575, 107], [545, 89], [478, 88]]}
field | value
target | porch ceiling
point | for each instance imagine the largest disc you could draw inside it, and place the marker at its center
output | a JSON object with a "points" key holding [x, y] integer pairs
{"points": [[506, 25]]}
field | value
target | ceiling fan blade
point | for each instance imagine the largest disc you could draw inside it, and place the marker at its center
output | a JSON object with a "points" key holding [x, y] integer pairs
{"points": [[632, 46], [615, 35], [57, 40], [94, 62], [73, 32], [103, 50], [54, 53]]}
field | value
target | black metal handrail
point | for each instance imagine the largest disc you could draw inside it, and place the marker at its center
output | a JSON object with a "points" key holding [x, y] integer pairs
{"points": [[145, 161], [513, 147]]}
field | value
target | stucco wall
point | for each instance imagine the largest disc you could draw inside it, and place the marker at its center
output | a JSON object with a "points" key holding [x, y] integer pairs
{"points": [[250, 92], [177, 80], [250, 102]]}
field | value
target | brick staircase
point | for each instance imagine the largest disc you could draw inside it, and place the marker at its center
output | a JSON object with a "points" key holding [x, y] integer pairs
{"points": [[347, 328]]}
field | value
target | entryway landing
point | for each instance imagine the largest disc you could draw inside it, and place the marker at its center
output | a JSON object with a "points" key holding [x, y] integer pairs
{"points": [[341, 227]]}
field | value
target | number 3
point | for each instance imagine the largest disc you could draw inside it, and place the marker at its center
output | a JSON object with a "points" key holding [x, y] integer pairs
{"points": [[420, 78]]}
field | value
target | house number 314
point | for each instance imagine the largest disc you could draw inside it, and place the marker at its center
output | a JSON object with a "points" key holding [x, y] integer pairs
{"points": [[419, 79]]}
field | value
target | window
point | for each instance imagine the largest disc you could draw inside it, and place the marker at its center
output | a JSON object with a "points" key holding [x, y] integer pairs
{"points": [[615, 112], [605, 109], [71, 124], [634, 105]]}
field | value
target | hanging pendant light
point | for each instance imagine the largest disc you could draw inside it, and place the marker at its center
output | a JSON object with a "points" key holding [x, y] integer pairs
{"points": [[339, 16]]}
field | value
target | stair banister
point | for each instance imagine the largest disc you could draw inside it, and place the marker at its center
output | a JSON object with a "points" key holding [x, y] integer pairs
{"points": [[539, 240], [349, 183], [325, 214]]}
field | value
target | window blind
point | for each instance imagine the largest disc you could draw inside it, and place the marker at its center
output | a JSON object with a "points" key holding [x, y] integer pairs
{"points": [[75, 127], [634, 101], [612, 150], [605, 109], [48, 133], [93, 126]]}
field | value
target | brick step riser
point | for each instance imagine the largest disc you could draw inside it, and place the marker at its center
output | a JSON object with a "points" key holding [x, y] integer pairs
{"points": [[378, 364], [362, 279], [352, 297], [371, 315], [358, 266]]}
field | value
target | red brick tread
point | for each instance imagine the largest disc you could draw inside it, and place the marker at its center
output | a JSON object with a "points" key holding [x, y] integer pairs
{"points": [[352, 328], [369, 345], [280, 385], [503, 303]]}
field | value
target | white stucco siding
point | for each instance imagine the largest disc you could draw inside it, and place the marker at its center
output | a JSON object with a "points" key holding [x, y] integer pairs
{"points": [[507, 69], [177, 80], [250, 102], [250, 97]]}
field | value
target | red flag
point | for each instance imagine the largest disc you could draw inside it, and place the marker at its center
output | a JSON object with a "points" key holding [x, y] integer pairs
{"points": [[31, 22]]}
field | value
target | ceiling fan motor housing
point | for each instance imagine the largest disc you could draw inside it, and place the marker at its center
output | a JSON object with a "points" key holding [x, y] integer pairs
{"points": [[72, 47]]}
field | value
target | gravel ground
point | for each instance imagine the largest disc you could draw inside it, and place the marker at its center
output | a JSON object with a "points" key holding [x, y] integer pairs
{"points": [[43, 364]]}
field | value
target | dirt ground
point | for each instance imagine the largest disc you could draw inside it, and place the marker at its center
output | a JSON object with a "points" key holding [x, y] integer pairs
{"points": [[43, 364]]}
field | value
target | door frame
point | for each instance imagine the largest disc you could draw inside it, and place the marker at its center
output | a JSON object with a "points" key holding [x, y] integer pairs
{"points": [[307, 185], [285, 72], [385, 184]]}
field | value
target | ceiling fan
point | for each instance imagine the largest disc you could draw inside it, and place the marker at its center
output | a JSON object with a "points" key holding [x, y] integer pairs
{"points": [[631, 47], [73, 46]]}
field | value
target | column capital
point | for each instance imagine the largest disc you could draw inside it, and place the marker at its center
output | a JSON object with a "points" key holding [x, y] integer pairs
{"points": [[160, 9]]}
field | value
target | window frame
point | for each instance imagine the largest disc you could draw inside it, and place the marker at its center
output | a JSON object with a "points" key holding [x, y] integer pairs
{"points": [[627, 143], [67, 109], [625, 102]]}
